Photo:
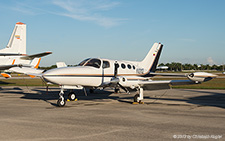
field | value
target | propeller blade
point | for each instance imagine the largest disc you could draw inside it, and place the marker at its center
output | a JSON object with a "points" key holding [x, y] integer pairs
{"points": [[123, 88], [116, 66]]}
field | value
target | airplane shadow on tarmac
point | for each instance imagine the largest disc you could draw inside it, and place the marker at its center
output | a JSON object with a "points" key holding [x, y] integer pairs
{"points": [[212, 98], [53, 94]]}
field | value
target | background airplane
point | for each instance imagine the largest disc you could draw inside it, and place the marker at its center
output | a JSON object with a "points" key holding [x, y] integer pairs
{"points": [[162, 68], [14, 54], [94, 73]]}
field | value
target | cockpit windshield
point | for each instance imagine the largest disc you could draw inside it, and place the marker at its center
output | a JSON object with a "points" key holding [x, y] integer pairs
{"points": [[91, 62], [83, 62]]}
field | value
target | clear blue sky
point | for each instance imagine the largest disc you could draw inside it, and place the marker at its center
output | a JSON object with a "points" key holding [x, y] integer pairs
{"points": [[192, 31]]}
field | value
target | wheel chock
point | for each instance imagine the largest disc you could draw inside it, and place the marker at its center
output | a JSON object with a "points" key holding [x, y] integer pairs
{"points": [[74, 100], [138, 102]]}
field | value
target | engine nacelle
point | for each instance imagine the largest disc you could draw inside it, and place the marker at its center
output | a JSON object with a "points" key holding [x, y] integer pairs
{"points": [[199, 77]]}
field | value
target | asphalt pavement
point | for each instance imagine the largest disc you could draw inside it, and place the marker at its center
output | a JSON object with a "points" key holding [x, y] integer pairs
{"points": [[31, 113]]}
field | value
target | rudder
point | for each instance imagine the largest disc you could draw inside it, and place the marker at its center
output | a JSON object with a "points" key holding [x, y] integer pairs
{"points": [[150, 62], [17, 41]]}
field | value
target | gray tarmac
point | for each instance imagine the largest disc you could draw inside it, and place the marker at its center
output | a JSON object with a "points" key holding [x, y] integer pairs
{"points": [[29, 113]]}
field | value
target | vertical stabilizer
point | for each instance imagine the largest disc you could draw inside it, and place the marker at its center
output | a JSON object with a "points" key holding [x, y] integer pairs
{"points": [[35, 63], [151, 60], [17, 41]]}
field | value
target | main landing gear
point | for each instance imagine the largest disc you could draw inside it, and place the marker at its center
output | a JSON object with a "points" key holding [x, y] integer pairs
{"points": [[61, 101], [139, 97], [72, 96]]}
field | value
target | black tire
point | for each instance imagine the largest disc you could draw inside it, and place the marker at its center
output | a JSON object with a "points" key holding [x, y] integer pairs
{"points": [[72, 96], [61, 102], [117, 90], [136, 98], [91, 91]]}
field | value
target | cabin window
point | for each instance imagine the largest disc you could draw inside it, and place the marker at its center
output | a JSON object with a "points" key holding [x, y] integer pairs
{"points": [[134, 67], [129, 66], [94, 63], [105, 64], [123, 66]]}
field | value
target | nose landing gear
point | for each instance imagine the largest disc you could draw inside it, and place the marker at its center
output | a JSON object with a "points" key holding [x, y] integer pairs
{"points": [[61, 101]]}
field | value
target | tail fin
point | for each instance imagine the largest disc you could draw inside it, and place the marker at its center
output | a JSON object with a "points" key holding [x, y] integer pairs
{"points": [[35, 62], [151, 60], [17, 42]]}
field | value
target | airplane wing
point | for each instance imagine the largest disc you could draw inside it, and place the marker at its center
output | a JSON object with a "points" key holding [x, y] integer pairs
{"points": [[162, 84], [30, 57], [193, 78], [169, 74], [6, 67], [148, 84]]}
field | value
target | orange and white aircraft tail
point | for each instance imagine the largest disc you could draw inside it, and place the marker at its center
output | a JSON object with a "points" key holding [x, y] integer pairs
{"points": [[31, 69], [17, 41], [35, 63]]}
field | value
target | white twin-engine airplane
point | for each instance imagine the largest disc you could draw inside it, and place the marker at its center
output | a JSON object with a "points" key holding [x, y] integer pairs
{"points": [[14, 54], [130, 76]]}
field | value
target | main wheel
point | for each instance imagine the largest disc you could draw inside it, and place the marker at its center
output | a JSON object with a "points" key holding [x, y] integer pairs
{"points": [[61, 102], [72, 96], [136, 98], [116, 90]]}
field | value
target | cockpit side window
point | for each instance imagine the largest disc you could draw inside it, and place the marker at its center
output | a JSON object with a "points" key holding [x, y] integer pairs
{"points": [[94, 63], [83, 62], [105, 64]]}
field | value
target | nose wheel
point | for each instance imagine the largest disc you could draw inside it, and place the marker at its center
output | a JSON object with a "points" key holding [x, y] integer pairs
{"points": [[61, 101]]}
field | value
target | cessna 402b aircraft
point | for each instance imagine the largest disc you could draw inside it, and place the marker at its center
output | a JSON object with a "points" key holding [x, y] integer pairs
{"points": [[130, 76], [94, 73]]}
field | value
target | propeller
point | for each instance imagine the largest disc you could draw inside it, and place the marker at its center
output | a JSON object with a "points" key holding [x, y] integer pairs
{"points": [[45, 83], [116, 80], [116, 66]]}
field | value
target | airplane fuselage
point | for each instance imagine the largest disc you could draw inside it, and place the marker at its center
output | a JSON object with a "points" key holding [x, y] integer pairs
{"points": [[14, 59], [98, 73]]}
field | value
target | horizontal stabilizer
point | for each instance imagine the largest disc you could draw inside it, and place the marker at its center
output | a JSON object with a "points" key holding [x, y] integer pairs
{"points": [[30, 57], [61, 64], [162, 68]]}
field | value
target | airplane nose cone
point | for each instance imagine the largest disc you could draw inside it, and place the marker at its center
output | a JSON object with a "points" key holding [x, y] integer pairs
{"points": [[50, 76]]}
